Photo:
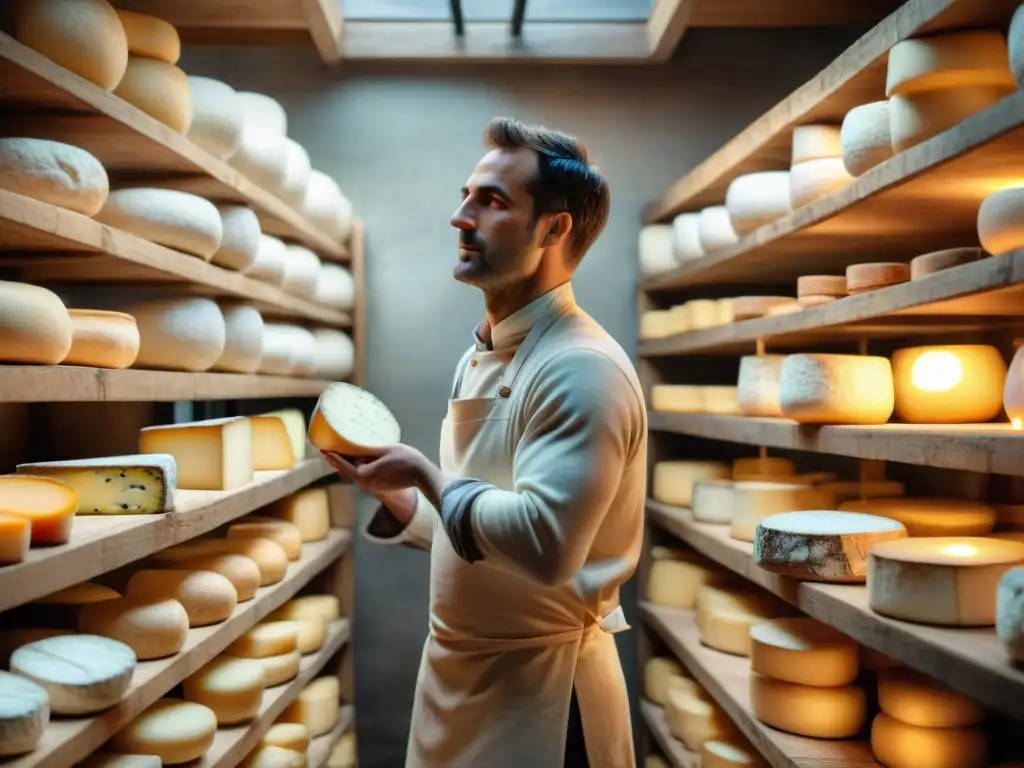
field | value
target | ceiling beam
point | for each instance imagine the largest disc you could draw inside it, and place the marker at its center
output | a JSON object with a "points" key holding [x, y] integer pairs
{"points": [[666, 25], [325, 26], [518, 14]]}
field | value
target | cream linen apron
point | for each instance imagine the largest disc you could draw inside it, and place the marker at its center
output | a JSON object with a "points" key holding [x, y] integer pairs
{"points": [[503, 652]]}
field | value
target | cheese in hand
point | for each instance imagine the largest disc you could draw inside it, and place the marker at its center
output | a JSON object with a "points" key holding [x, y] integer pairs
{"points": [[212, 455], [350, 421]]}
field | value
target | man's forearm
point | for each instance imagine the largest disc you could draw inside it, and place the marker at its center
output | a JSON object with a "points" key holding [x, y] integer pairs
{"points": [[432, 482]]}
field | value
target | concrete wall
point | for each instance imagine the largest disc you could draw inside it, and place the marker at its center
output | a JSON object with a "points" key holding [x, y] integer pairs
{"points": [[401, 141]]}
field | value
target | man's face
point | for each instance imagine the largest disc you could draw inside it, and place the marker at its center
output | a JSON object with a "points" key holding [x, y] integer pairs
{"points": [[498, 237]]}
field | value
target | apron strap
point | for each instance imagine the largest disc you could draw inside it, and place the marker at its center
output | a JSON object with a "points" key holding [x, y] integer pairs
{"points": [[543, 325]]}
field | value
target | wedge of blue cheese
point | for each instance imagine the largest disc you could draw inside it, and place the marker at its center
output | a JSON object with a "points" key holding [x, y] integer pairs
{"points": [[116, 485]]}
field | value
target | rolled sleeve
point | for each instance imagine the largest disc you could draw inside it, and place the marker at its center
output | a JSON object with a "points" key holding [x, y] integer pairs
{"points": [[418, 533]]}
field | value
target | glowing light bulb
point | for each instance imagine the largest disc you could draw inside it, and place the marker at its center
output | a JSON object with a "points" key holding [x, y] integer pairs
{"points": [[1017, 422], [962, 550], [937, 371]]}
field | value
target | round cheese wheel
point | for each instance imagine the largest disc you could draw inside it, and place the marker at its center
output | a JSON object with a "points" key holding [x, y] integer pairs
{"points": [[232, 688], [262, 157], [281, 668], [657, 672], [1013, 390], [714, 229], [159, 89], [820, 285], [311, 632], [721, 400], [865, 139], [351, 421], [930, 263], [871, 277], [217, 116], [175, 731], [34, 325], [821, 545], [79, 594], [241, 237], [942, 62], [672, 481], [185, 334], [656, 324], [207, 597], [301, 270], [296, 178], [152, 628], [335, 287], [102, 339], [758, 388], [686, 237], [82, 674], [165, 216], [917, 699], [815, 142], [243, 339], [264, 112], [756, 199], [1010, 612], [54, 173], [819, 713], [930, 517], [955, 384], [917, 117], [343, 755], [898, 745], [803, 651], [754, 501], [294, 736], [318, 707], [676, 583], [335, 354], [656, 245], [268, 555], [274, 757], [323, 202], [85, 36], [269, 265], [694, 721], [269, 638], [302, 347], [713, 501], [308, 510], [284, 534], [278, 357], [725, 615], [150, 37], [104, 760], [1001, 221], [749, 307], [836, 389], [812, 179], [702, 313], [327, 607], [677, 398], [755, 467], [730, 754], [241, 571], [49, 504], [24, 714]]}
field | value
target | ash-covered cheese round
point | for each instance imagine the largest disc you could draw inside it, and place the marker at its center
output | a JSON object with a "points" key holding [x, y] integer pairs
{"points": [[686, 237], [102, 339], [243, 339], [936, 261], [758, 388], [175, 731], [1010, 613], [930, 516], [152, 628], [34, 325], [232, 688], [954, 59], [803, 651], [899, 745], [813, 179], [821, 545], [714, 229], [917, 699], [351, 421], [756, 199], [24, 714], [656, 245], [754, 501], [865, 139], [186, 334], [836, 389], [207, 597], [178, 220], [159, 89], [806, 710], [217, 117], [335, 287], [55, 173], [301, 270], [241, 240], [335, 354]]}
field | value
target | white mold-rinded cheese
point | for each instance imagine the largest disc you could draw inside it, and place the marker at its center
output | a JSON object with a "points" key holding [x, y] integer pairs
{"points": [[754, 501], [241, 240], [815, 142], [175, 731], [351, 421], [917, 117], [55, 173], [916, 699], [85, 36], [899, 745], [327, 607], [186, 334], [153, 629], [232, 688], [301, 269], [758, 388], [875, 275], [212, 455], [207, 597], [269, 638], [675, 583], [262, 157], [278, 357], [294, 736], [936, 261], [949, 581], [1010, 613], [734, 753], [318, 707], [269, 265], [159, 89], [951, 60], [865, 139], [24, 714], [335, 287], [714, 229], [34, 325], [324, 203], [243, 339], [102, 339], [269, 558], [930, 517], [335, 354], [756, 199], [271, 445], [656, 247], [296, 178], [82, 674], [806, 710], [721, 400], [167, 217], [241, 571], [283, 533], [672, 481], [686, 238], [952, 384], [803, 651], [280, 669], [712, 501], [759, 467], [303, 349], [308, 510], [812, 179], [820, 285], [821, 545], [115, 485], [150, 37], [836, 389], [1001, 221], [15, 539], [677, 398], [217, 116], [264, 112], [749, 307], [658, 671]]}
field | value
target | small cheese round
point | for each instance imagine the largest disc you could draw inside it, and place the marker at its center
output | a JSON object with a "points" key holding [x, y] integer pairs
{"points": [[753, 501], [865, 138], [308, 510], [178, 220], [758, 387], [232, 688], [813, 179], [819, 713], [278, 358], [207, 597], [281, 668], [285, 534], [270, 261], [150, 37], [102, 339], [185, 334], [730, 754], [836, 389], [930, 517], [318, 707], [324, 200], [270, 638], [302, 346], [821, 545], [153, 629], [898, 745], [871, 277], [936, 261], [55, 173], [327, 607], [713, 501], [951, 384], [274, 757], [917, 699], [264, 112], [241, 240], [1010, 613], [243, 339], [301, 269], [677, 398], [756, 199], [672, 481], [721, 400], [803, 651], [702, 313], [351, 421], [655, 324], [820, 285], [749, 307], [294, 736], [175, 731], [262, 157], [82, 674], [34, 325], [725, 616], [714, 229], [335, 354], [343, 755], [1001, 221], [159, 89], [686, 238], [24, 714], [48, 504], [335, 287], [296, 179], [695, 721], [217, 116], [241, 571], [656, 246], [85, 36], [917, 117], [815, 142], [947, 61], [268, 555], [657, 672]]}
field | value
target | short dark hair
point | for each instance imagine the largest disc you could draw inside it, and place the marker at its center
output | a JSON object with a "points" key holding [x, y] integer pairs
{"points": [[565, 181]]}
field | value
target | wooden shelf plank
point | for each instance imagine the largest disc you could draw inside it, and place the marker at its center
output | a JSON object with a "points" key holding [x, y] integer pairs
{"points": [[66, 741], [126, 140], [987, 448], [101, 543], [856, 77], [320, 748], [27, 224], [991, 288], [678, 755], [727, 679], [788, 13], [969, 660], [231, 745]]}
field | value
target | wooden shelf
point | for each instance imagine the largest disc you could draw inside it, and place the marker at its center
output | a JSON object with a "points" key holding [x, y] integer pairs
{"points": [[66, 741], [231, 745], [131, 143], [969, 660], [678, 755], [727, 679], [969, 297], [987, 448], [94, 252], [856, 77], [101, 543], [321, 747]]}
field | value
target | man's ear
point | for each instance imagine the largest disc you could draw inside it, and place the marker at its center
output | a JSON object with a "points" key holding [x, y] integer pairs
{"points": [[560, 227]]}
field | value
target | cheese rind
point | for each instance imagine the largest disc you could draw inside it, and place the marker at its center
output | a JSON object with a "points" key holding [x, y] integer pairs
{"points": [[836, 389], [295, 424], [749, 307], [725, 616], [722, 400], [318, 707], [695, 721], [34, 325], [655, 245], [15, 537], [271, 445], [351, 421], [865, 138], [241, 571], [758, 387], [207, 597], [899, 745], [153, 629], [294, 736], [102, 339], [268, 556], [281, 668], [677, 398], [815, 142], [936, 261], [24, 714], [946, 61], [274, 757], [106, 760], [730, 754], [175, 731], [335, 355], [714, 229], [1001, 221], [212, 455], [216, 116], [327, 607], [658, 671], [159, 89], [269, 265], [168, 217], [308, 510], [819, 713], [298, 167], [917, 117], [820, 285], [713, 501], [241, 241], [232, 688], [270, 638], [813, 179], [672, 481], [278, 531], [265, 112], [186, 334], [262, 157], [1010, 613], [335, 286], [301, 269], [55, 173], [48, 504], [870, 277], [243, 339], [949, 384], [930, 517], [803, 651], [916, 699], [756, 199], [754, 501], [150, 37]]}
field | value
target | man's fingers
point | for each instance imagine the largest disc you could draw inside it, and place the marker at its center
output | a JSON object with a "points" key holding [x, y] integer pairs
{"points": [[340, 463]]}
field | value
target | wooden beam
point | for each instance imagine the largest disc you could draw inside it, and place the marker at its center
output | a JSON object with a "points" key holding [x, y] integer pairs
{"points": [[666, 25], [324, 20]]}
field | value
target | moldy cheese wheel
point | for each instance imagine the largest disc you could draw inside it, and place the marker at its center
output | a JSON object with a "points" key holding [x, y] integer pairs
{"points": [[350, 421]]}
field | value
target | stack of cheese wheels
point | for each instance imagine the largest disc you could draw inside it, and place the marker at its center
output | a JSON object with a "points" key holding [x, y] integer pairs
{"points": [[934, 82], [656, 246], [1001, 221], [151, 80], [686, 237], [816, 167], [274, 645], [693, 717], [55, 173], [758, 387], [1010, 613], [925, 725], [864, 139], [952, 384], [317, 707], [802, 675], [231, 687], [714, 229], [351, 421], [815, 290], [677, 576], [930, 517], [836, 389], [725, 614], [672, 481], [756, 199], [753, 501]]}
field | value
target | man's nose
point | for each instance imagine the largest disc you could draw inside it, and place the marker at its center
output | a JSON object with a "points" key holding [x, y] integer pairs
{"points": [[463, 219]]}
